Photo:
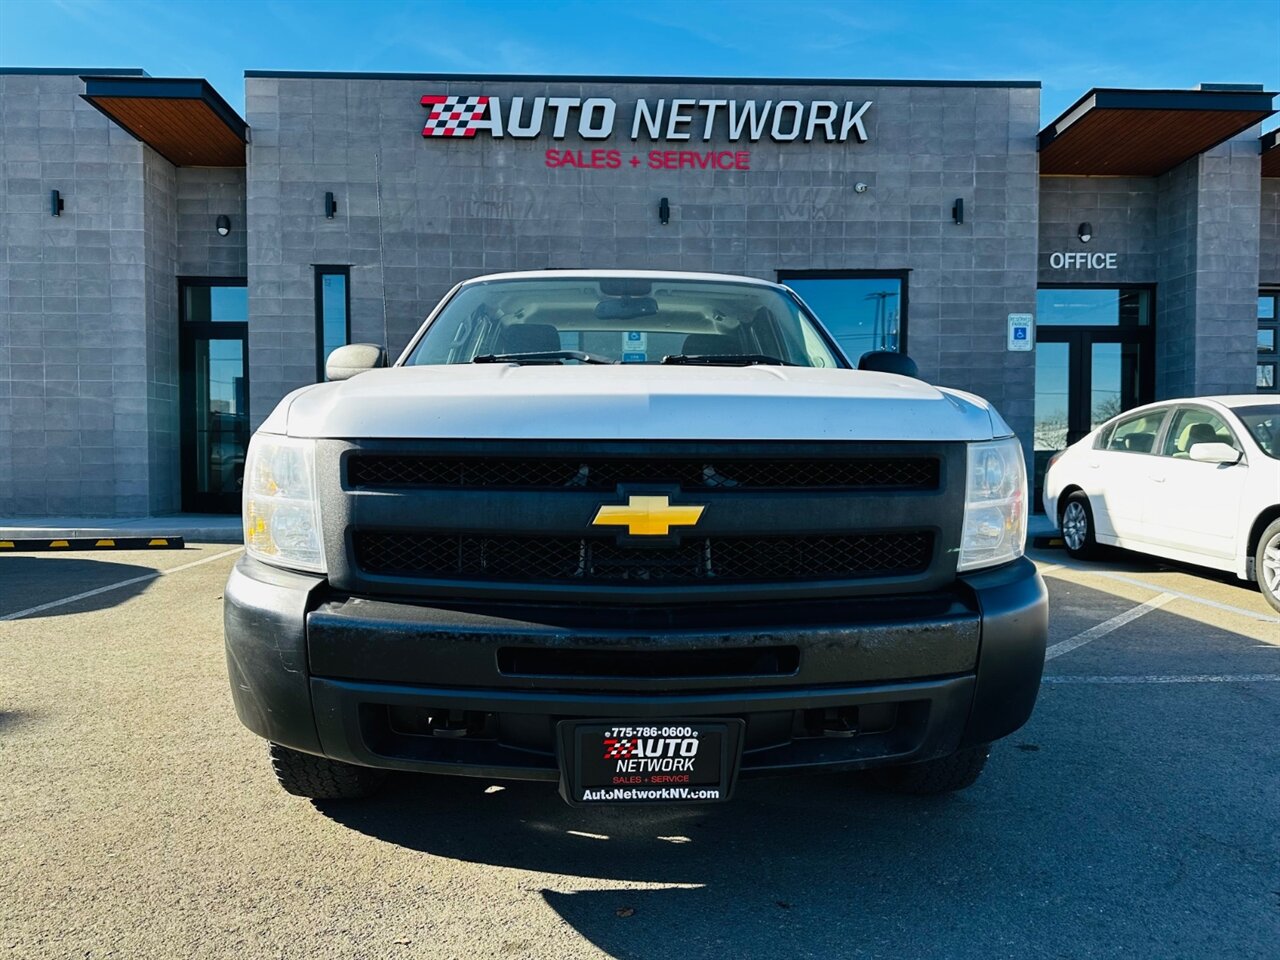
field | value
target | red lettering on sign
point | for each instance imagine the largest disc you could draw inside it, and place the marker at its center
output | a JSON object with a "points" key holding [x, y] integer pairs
{"points": [[656, 159], [691, 160], [594, 160]]}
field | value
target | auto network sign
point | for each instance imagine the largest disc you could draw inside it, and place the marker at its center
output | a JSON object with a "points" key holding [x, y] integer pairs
{"points": [[672, 120]]}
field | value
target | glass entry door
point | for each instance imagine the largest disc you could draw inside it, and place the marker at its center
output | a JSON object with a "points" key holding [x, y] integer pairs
{"points": [[215, 394], [1094, 359]]}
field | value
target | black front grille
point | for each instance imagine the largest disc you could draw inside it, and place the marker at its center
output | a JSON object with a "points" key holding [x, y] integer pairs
{"points": [[606, 473], [648, 663], [592, 560]]}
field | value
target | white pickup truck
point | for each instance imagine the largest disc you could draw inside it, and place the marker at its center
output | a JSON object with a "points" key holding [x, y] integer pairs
{"points": [[636, 534]]}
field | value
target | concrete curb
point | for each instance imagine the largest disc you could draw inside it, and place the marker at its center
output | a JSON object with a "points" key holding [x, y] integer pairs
{"points": [[28, 545], [193, 528]]}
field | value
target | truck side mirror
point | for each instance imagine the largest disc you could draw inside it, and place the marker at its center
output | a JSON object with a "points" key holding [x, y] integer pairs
{"points": [[889, 361], [1215, 453], [345, 362]]}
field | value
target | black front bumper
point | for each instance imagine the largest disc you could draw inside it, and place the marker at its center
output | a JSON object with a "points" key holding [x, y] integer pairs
{"points": [[458, 689]]}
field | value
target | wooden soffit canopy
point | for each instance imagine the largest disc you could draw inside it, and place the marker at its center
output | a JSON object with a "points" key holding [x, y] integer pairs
{"points": [[1271, 153], [185, 121], [1144, 133]]}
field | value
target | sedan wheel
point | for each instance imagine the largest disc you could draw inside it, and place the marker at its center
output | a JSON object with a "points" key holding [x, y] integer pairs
{"points": [[1267, 564], [1077, 526]]}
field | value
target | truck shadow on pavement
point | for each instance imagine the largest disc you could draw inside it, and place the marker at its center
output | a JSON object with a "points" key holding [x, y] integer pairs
{"points": [[1091, 833], [12, 718], [27, 582], [817, 867]]}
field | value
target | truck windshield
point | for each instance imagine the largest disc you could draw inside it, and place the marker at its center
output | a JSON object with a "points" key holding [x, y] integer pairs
{"points": [[623, 320]]}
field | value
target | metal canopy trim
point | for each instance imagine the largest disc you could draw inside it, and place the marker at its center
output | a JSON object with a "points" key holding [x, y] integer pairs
{"points": [[1110, 132], [184, 120]]}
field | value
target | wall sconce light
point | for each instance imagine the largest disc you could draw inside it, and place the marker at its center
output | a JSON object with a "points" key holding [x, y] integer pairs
{"points": [[860, 187], [223, 225], [957, 210], [664, 211], [1085, 232], [55, 203], [330, 206]]}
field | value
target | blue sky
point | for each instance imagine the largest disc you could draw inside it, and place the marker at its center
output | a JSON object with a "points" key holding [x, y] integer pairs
{"points": [[1069, 46]]}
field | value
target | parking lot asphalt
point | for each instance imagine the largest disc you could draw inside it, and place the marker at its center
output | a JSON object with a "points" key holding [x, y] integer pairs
{"points": [[1136, 815]]}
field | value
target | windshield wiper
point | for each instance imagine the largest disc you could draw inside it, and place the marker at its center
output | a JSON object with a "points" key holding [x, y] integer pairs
{"points": [[727, 359], [545, 356]]}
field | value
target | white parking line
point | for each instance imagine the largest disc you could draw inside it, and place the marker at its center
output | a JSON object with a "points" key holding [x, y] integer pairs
{"points": [[116, 586], [1106, 626], [1189, 678], [1132, 581]]}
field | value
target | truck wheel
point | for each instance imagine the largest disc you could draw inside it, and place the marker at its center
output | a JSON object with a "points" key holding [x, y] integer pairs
{"points": [[1077, 527], [319, 778], [943, 775], [1266, 564]]}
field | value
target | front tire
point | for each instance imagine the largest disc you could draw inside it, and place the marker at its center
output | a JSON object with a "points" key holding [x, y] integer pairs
{"points": [[319, 778], [1266, 564], [943, 775], [1077, 527]]}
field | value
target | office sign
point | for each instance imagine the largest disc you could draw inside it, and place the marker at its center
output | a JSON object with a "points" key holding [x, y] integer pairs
{"points": [[1078, 260]]}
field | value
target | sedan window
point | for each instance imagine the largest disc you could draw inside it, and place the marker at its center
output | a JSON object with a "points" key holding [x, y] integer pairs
{"points": [[1193, 425], [1264, 423], [1137, 434]]}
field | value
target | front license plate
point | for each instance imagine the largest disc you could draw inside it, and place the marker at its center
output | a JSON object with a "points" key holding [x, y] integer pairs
{"points": [[670, 761]]}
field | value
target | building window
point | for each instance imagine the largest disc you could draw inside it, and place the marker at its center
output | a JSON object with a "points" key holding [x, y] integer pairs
{"points": [[863, 310], [215, 301], [213, 382], [333, 313], [1268, 341], [1094, 358], [1093, 307]]}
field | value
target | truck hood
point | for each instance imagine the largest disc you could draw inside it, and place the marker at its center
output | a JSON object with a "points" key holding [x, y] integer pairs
{"points": [[632, 402]]}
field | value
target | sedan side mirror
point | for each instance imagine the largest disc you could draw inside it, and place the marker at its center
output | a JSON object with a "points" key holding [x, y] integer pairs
{"points": [[345, 362], [1216, 452]]}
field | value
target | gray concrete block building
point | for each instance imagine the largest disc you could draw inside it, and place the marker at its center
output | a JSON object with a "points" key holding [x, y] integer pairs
{"points": [[170, 269]]}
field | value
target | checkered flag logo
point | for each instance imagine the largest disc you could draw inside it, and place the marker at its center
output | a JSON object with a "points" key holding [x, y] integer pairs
{"points": [[453, 116], [615, 749]]}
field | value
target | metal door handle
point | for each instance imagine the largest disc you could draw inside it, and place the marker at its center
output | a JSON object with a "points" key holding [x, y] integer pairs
{"points": [[1156, 479]]}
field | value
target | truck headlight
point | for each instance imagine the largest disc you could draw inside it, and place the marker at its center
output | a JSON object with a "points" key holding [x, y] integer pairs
{"points": [[281, 513], [995, 505]]}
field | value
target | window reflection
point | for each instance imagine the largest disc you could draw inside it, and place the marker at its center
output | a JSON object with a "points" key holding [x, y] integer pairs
{"points": [[215, 387], [1052, 393], [221, 415], [218, 304], [1268, 341], [862, 313], [332, 321], [1085, 307]]}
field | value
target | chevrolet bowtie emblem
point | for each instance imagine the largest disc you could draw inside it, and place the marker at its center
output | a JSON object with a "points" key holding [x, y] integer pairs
{"points": [[647, 516]]}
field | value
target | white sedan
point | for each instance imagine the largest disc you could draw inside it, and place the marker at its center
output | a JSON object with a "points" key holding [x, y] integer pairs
{"points": [[1196, 480]]}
